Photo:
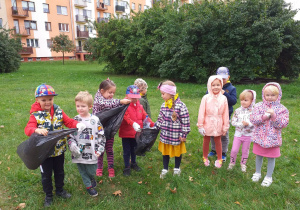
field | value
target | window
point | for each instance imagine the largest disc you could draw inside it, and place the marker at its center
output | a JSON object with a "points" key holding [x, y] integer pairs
{"points": [[49, 43], [62, 10], [28, 5], [22, 59], [30, 24], [146, 7], [29, 59], [46, 8], [32, 42], [47, 26], [63, 27], [87, 13], [38, 59], [106, 2], [133, 6], [140, 7], [106, 15], [51, 59], [0, 22]]}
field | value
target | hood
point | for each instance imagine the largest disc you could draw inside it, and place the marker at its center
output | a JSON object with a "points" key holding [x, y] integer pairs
{"points": [[35, 107], [210, 80], [254, 98], [279, 94]]}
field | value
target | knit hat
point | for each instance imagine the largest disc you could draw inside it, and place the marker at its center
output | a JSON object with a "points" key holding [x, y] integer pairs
{"points": [[223, 72], [141, 84], [133, 91], [44, 90]]}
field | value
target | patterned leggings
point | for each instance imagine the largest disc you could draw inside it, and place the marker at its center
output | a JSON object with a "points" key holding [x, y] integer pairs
{"points": [[109, 153]]}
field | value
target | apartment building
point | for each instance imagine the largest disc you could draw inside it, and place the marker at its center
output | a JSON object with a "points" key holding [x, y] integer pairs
{"points": [[37, 21]]}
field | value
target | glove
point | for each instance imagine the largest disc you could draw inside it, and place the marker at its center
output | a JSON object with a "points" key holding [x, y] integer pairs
{"points": [[136, 127], [268, 114], [75, 150], [201, 131], [80, 127], [100, 150]]}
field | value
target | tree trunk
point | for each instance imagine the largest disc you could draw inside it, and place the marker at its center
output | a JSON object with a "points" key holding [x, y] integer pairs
{"points": [[63, 58]]}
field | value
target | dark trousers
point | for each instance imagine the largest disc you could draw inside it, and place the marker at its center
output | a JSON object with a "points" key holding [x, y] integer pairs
{"points": [[55, 164], [129, 145], [166, 160]]}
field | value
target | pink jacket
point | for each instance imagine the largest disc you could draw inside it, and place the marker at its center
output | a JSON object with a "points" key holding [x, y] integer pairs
{"points": [[213, 112]]}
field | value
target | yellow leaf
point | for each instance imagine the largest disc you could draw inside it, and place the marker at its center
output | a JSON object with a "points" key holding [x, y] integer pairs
{"points": [[295, 140], [297, 182], [191, 178], [21, 206], [238, 203], [101, 181], [8, 168], [1, 126], [173, 191], [140, 182], [0, 162], [118, 192], [293, 175], [8, 157]]}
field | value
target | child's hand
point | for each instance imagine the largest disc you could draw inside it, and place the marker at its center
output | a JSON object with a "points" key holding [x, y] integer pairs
{"points": [[224, 134], [80, 127], [125, 101], [136, 127], [201, 131], [75, 150], [245, 123], [271, 111], [182, 139], [99, 151], [41, 131]]}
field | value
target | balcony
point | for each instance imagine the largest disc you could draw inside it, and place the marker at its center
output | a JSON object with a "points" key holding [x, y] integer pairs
{"points": [[26, 51], [81, 18], [82, 34], [19, 12], [101, 6], [120, 8], [80, 3], [22, 31], [79, 49], [102, 20]]}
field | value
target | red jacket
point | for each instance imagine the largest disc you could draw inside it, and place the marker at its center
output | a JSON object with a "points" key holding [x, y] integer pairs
{"points": [[32, 124], [134, 113]]}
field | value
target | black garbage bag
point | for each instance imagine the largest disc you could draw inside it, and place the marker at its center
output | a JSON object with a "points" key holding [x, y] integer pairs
{"points": [[111, 120], [38, 148], [145, 140]]}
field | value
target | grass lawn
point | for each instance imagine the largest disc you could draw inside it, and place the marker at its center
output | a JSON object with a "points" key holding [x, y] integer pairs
{"points": [[197, 187]]}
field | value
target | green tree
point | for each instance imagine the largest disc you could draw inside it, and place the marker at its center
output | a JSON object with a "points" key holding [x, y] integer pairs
{"points": [[63, 44], [10, 47]]}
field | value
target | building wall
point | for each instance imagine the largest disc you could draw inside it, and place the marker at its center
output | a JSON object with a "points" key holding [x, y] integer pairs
{"points": [[3, 14]]}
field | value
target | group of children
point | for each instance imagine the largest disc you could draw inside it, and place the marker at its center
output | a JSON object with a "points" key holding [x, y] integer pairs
{"points": [[260, 123]]}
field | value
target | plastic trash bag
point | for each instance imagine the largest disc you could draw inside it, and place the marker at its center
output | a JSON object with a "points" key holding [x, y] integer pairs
{"points": [[38, 148], [111, 120], [145, 140]]}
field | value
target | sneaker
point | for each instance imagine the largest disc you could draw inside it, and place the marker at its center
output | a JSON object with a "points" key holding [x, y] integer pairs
{"points": [[92, 192], [206, 161], [177, 172], [163, 173], [267, 181], [218, 163], [230, 166], [111, 173], [99, 172], [256, 177], [63, 194], [94, 183], [212, 153], [224, 157], [243, 168], [126, 172], [135, 167], [48, 201]]}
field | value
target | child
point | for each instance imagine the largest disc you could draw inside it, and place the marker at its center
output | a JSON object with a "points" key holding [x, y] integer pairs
{"points": [[46, 116], [88, 145], [213, 118], [132, 123], [243, 128], [142, 85], [104, 100], [229, 91], [174, 123], [268, 118]]}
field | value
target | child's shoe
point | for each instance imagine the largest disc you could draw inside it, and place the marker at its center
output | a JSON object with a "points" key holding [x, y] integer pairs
{"points": [[224, 157], [177, 172], [48, 201], [63, 194], [218, 163], [256, 177], [267, 181], [212, 153], [230, 166], [99, 172], [206, 161], [126, 172], [92, 192], [94, 183], [135, 167], [111, 173], [243, 168], [163, 173]]}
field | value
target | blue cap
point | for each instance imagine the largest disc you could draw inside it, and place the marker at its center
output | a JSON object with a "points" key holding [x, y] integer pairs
{"points": [[133, 92], [223, 72], [44, 90]]}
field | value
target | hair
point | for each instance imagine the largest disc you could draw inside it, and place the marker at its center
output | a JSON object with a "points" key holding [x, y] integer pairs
{"points": [[272, 88], [245, 94], [106, 84], [169, 82], [141, 84], [86, 97]]}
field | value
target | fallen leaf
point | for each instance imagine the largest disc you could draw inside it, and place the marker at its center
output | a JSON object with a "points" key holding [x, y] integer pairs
{"points": [[8, 168], [146, 182], [1, 126], [118, 192], [238, 203], [213, 172], [15, 196], [191, 178], [297, 182], [173, 191], [8, 157], [9, 197], [293, 175], [190, 154], [149, 167], [140, 182], [295, 140], [0, 162], [21, 206], [275, 194], [149, 193], [101, 181]]}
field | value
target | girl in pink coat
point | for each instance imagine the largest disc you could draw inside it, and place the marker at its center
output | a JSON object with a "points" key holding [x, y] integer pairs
{"points": [[213, 118], [268, 118]]}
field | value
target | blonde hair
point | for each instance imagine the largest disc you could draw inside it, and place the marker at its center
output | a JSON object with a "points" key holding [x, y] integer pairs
{"points": [[169, 82], [84, 96], [141, 84], [245, 94], [273, 89]]}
